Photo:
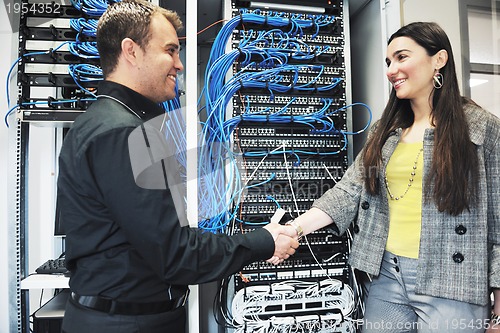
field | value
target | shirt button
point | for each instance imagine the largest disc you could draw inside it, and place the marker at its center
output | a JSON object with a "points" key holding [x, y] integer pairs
{"points": [[356, 228], [460, 229], [458, 257], [365, 205]]}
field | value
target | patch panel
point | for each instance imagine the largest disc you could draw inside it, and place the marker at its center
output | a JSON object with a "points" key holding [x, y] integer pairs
{"points": [[287, 100], [338, 90], [338, 118], [51, 33], [61, 115], [303, 272], [329, 106], [50, 80], [43, 22], [245, 131], [338, 162], [307, 72], [303, 192], [294, 175], [335, 42], [37, 68], [61, 59]]}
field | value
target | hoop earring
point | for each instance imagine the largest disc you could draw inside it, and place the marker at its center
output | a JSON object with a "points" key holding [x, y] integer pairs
{"points": [[437, 80]]}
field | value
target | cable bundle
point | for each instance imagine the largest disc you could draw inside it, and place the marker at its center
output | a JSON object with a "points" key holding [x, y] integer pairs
{"points": [[216, 156], [328, 323], [279, 96], [85, 73], [86, 27], [92, 7], [298, 305], [49, 102], [85, 50], [175, 130], [264, 64], [294, 24]]}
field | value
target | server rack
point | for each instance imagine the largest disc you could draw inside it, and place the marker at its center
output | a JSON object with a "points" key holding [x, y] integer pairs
{"points": [[57, 73], [278, 113]]}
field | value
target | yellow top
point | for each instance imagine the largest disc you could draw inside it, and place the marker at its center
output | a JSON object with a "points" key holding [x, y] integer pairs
{"points": [[405, 214]]}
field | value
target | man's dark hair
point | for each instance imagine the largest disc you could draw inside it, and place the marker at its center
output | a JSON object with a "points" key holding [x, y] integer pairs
{"points": [[128, 18]]}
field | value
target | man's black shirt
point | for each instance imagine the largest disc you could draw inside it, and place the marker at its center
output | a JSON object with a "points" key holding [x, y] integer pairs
{"points": [[124, 241]]}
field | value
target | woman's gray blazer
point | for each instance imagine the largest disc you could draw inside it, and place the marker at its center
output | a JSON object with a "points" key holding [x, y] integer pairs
{"points": [[459, 256]]}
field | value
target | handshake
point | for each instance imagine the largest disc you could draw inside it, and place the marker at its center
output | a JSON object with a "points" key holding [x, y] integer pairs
{"points": [[285, 241]]}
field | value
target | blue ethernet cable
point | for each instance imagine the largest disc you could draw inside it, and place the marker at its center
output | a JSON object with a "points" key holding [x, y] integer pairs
{"points": [[92, 7], [84, 50], [7, 90], [270, 197], [85, 73], [87, 27], [261, 52]]}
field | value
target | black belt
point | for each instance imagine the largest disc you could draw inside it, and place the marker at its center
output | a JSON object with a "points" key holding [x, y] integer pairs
{"points": [[128, 308]]}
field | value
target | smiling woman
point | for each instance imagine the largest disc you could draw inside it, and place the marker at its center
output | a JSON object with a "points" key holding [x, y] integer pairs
{"points": [[411, 71]]}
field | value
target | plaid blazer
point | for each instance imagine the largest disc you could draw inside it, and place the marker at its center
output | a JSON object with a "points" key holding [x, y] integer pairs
{"points": [[459, 256]]}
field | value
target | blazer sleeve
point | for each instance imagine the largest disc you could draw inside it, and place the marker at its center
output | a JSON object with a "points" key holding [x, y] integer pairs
{"points": [[341, 202], [492, 164]]}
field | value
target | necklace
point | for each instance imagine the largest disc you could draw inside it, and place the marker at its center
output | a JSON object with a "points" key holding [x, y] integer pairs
{"points": [[409, 182]]}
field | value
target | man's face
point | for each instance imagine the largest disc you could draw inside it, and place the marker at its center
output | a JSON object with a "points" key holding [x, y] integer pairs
{"points": [[160, 61]]}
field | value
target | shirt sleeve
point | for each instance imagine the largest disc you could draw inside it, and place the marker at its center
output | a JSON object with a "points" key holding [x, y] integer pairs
{"points": [[149, 220]]}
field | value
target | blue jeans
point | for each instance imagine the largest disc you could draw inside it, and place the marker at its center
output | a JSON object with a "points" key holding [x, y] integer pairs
{"points": [[393, 307]]}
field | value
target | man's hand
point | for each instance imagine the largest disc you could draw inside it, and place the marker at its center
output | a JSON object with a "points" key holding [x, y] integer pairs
{"points": [[285, 242]]}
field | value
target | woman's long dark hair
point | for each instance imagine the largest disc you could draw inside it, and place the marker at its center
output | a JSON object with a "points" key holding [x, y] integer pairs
{"points": [[454, 167]]}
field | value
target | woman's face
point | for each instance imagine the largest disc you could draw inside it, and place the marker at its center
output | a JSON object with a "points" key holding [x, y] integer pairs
{"points": [[410, 69]]}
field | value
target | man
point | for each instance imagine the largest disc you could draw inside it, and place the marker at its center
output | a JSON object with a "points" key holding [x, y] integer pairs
{"points": [[130, 258]]}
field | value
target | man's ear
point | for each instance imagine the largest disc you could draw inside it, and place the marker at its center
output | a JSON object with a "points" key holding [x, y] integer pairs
{"points": [[130, 51], [441, 58]]}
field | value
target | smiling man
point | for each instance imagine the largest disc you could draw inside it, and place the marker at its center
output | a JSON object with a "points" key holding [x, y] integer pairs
{"points": [[130, 257]]}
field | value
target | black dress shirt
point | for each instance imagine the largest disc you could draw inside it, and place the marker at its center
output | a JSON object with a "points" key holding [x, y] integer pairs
{"points": [[124, 241]]}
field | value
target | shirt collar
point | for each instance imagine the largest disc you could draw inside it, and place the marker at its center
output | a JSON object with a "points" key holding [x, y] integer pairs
{"points": [[143, 107]]}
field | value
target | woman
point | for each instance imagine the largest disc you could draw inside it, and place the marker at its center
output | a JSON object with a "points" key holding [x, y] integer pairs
{"points": [[422, 197]]}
